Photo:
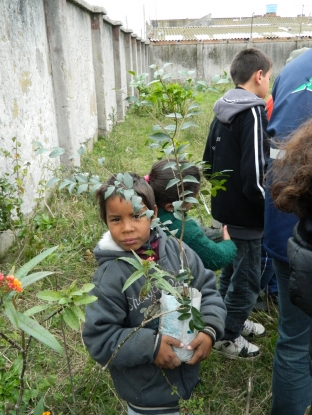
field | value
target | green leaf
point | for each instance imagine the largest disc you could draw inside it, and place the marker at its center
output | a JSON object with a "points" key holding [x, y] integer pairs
{"points": [[81, 151], [174, 115], [39, 409], [57, 151], [49, 295], [186, 166], [128, 193], [191, 200], [109, 191], [95, 187], [128, 180], [191, 114], [191, 325], [134, 262], [78, 312], [64, 300], [36, 309], [182, 148], [52, 181], [95, 180], [82, 188], [81, 178], [166, 286], [71, 187], [160, 137], [185, 316], [188, 125], [135, 276], [11, 313], [172, 164], [132, 99], [168, 75], [132, 73], [194, 105], [101, 161], [70, 318], [195, 312], [186, 73], [87, 287], [34, 329], [156, 127], [172, 182], [177, 215], [189, 178], [85, 299], [24, 270], [171, 127], [34, 277]]}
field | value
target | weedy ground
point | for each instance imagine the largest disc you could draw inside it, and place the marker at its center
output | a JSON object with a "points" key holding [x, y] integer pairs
{"points": [[227, 387]]}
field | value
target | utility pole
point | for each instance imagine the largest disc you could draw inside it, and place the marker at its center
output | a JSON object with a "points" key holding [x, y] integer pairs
{"points": [[252, 16], [144, 24]]}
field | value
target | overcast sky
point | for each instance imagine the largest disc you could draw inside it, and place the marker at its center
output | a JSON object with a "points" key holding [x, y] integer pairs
{"points": [[132, 12]]}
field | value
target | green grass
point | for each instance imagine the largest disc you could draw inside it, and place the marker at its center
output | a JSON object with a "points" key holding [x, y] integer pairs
{"points": [[76, 228]]}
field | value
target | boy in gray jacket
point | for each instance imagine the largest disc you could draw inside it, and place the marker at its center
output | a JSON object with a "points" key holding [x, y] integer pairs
{"points": [[137, 368]]}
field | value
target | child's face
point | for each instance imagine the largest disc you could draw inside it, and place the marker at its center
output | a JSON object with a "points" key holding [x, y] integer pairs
{"points": [[130, 231], [265, 84]]}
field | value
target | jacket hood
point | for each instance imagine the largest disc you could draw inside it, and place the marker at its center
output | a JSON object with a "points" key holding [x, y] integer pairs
{"points": [[107, 249], [234, 102]]}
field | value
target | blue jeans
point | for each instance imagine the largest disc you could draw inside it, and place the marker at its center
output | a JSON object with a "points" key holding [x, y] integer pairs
{"points": [[268, 279], [240, 285], [292, 382]]}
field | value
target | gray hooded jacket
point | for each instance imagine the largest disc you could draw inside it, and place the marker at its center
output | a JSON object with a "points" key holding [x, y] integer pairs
{"points": [[114, 315], [237, 143]]}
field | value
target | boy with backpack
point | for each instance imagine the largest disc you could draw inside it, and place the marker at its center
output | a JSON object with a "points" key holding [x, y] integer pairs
{"points": [[237, 142]]}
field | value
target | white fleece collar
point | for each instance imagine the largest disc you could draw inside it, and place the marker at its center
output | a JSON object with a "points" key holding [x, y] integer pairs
{"points": [[107, 243]]}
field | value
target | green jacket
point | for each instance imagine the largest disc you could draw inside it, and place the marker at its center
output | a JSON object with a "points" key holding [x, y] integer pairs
{"points": [[214, 255]]}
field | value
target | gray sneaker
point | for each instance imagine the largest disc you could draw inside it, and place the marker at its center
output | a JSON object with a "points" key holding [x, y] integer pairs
{"points": [[252, 329], [239, 348]]}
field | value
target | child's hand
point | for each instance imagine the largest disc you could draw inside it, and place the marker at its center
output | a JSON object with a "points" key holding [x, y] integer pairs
{"points": [[226, 235], [202, 344], [166, 357]]}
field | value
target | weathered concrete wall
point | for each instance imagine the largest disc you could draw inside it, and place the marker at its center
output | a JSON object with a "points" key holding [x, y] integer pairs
{"points": [[27, 104], [208, 59], [62, 64], [60, 68], [109, 71]]}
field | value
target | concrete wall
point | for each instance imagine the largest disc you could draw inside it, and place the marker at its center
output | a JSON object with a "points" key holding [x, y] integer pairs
{"points": [[61, 63], [208, 59]]}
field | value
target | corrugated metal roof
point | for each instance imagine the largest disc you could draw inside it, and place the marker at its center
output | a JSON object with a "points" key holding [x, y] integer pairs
{"points": [[242, 28]]}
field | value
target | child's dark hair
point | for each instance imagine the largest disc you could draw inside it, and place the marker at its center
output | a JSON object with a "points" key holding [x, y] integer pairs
{"points": [[140, 186], [247, 62], [160, 177], [292, 174]]}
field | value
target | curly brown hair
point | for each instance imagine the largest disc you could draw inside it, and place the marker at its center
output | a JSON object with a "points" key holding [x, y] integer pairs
{"points": [[291, 188]]}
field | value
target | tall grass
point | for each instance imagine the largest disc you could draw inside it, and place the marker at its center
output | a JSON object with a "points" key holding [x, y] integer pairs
{"points": [[76, 228]]}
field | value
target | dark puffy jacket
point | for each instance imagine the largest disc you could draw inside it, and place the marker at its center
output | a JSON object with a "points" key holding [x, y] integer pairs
{"points": [[299, 251]]}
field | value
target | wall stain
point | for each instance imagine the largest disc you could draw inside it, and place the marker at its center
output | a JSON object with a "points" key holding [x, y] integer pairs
{"points": [[25, 81], [15, 109]]}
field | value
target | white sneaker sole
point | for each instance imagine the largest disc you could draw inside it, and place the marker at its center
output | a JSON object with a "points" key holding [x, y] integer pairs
{"points": [[236, 356]]}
